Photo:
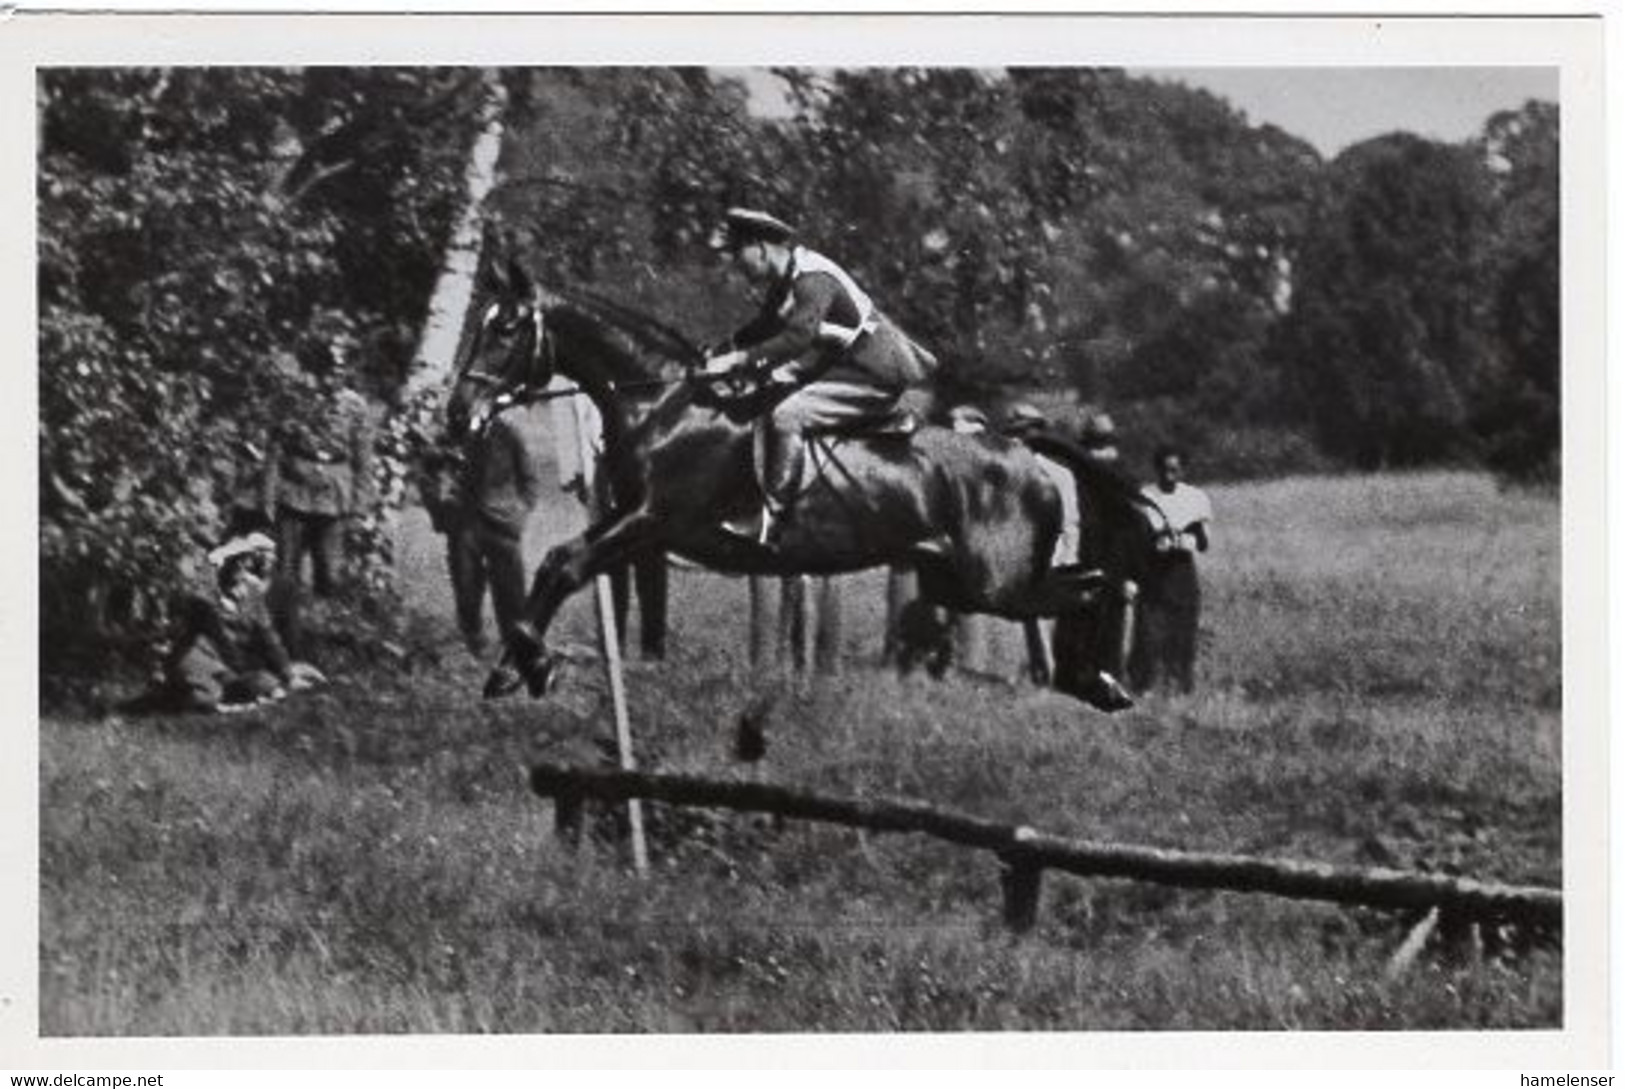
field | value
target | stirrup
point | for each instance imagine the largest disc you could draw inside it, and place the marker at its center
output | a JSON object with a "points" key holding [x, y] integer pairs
{"points": [[761, 531]]}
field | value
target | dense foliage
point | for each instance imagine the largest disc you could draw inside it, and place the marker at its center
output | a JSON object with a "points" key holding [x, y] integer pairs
{"points": [[201, 230], [1080, 236]]}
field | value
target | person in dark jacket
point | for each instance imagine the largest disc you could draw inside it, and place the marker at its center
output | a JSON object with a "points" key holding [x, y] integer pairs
{"points": [[481, 496], [819, 337]]}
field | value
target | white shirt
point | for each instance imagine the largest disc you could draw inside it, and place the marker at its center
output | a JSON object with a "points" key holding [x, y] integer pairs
{"points": [[1066, 545], [1183, 508]]}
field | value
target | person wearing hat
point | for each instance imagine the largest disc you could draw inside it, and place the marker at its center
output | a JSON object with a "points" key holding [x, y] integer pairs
{"points": [[226, 652], [1100, 439], [316, 474], [967, 420], [1021, 422], [819, 338]]}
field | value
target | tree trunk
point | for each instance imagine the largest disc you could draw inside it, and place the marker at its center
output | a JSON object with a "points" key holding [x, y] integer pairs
{"points": [[454, 290]]}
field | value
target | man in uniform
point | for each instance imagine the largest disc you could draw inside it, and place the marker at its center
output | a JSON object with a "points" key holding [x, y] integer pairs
{"points": [[819, 338], [1171, 605], [318, 474]]}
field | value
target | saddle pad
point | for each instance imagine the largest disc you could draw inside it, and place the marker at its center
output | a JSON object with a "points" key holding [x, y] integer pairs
{"points": [[901, 423]]}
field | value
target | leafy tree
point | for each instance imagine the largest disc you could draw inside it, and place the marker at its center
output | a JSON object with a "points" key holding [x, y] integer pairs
{"points": [[1389, 336], [1519, 420], [199, 230]]}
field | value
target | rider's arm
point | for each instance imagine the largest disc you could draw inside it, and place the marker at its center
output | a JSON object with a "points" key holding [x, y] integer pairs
{"points": [[812, 295], [764, 325]]}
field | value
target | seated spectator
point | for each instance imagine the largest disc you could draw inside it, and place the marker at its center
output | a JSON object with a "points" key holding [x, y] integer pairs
{"points": [[226, 654]]}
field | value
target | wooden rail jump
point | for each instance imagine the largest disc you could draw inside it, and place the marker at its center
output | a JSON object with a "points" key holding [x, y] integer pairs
{"points": [[1027, 853]]}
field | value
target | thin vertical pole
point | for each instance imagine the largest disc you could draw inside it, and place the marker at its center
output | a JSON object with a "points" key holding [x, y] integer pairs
{"points": [[610, 646]]}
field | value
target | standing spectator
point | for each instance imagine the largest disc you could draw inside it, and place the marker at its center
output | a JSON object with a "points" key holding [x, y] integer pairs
{"points": [[317, 476], [1099, 437], [1089, 645], [1021, 422], [1171, 602], [481, 495]]}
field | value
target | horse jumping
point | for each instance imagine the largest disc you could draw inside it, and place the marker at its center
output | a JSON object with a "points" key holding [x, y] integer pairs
{"points": [[975, 515]]}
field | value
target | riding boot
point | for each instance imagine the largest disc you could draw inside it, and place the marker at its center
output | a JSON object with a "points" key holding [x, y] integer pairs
{"points": [[780, 467]]}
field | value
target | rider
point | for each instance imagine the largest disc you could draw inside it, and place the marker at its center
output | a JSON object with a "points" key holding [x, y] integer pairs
{"points": [[817, 333]]}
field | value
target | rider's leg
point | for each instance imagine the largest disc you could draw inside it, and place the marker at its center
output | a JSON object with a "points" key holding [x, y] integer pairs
{"points": [[816, 406]]}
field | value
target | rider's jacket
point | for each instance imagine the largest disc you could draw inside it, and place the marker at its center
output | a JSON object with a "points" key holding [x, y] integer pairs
{"points": [[817, 324]]}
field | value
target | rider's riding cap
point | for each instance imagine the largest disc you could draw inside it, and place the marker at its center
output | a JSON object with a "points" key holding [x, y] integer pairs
{"points": [[745, 225]]}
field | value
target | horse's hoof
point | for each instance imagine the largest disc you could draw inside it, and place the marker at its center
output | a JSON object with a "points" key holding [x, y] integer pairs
{"points": [[1106, 693], [542, 676], [503, 680]]}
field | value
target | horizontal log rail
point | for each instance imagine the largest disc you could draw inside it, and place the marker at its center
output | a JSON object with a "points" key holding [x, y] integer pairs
{"points": [[1026, 853]]}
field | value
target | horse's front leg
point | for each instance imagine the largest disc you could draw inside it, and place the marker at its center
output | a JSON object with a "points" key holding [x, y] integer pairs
{"points": [[566, 569]]}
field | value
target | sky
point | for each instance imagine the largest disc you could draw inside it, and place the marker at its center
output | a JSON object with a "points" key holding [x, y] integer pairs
{"points": [[1335, 107], [1331, 107]]}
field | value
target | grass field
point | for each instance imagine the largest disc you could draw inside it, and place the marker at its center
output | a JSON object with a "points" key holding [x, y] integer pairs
{"points": [[1380, 685]]}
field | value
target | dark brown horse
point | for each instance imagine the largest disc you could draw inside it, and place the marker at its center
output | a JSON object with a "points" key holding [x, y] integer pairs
{"points": [[975, 515]]}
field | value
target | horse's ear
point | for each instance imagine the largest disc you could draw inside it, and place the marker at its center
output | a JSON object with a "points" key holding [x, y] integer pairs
{"points": [[518, 280]]}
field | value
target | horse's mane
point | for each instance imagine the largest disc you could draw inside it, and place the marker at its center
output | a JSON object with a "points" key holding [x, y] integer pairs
{"points": [[644, 331]]}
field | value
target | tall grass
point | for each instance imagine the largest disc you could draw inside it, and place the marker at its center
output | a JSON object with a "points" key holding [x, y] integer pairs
{"points": [[1379, 686]]}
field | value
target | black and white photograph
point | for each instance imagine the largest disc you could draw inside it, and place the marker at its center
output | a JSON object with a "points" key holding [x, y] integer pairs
{"points": [[1042, 535]]}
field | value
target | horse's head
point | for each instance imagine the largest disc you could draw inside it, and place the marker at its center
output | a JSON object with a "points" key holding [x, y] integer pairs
{"points": [[509, 354]]}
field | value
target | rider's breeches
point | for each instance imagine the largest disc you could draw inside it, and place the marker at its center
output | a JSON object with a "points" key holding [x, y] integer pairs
{"points": [[815, 407]]}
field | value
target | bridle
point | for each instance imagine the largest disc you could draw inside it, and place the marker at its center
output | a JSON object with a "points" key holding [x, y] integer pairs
{"points": [[543, 360], [541, 349]]}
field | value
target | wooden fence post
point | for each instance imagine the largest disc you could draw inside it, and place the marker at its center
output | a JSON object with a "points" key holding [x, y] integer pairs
{"points": [[1022, 881]]}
